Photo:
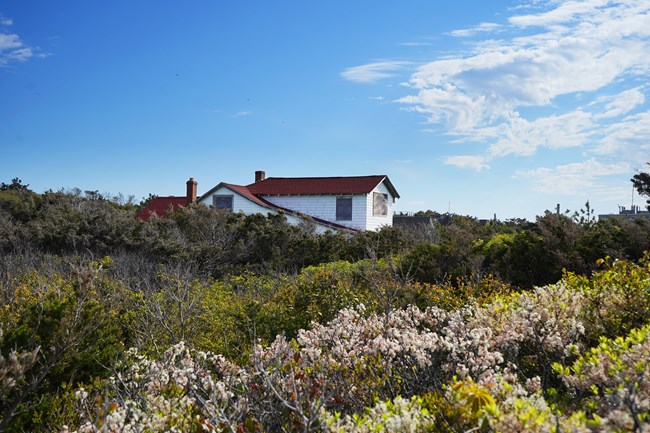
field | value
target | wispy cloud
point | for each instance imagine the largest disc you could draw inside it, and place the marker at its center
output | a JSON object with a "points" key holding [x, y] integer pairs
{"points": [[519, 136], [571, 179], [12, 48], [242, 114], [373, 71], [628, 138], [538, 86], [622, 103], [481, 28], [474, 162]]}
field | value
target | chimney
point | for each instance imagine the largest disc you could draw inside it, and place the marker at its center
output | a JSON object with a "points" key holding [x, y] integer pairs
{"points": [[259, 176], [191, 190]]}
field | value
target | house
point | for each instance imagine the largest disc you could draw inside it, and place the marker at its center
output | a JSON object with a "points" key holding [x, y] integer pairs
{"points": [[350, 203]]}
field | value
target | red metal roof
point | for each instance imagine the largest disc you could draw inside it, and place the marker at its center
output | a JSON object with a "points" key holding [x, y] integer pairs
{"points": [[319, 185], [161, 206], [244, 191]]}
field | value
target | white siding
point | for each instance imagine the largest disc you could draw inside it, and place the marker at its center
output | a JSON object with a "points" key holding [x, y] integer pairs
{"points": [[318, 228], [375, 222], [239, 203], [323, 207], [244, 205]]}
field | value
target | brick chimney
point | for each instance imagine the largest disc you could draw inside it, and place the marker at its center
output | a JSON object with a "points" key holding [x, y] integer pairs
{"points": [[191, 190], [259, 176]]}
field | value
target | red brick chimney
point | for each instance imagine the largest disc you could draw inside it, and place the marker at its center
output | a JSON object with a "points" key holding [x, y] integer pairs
{"points": [[191, 190], [259, 176]]}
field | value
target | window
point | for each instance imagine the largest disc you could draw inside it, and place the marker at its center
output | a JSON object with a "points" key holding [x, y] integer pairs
{"points": [[344, 208], [379, 203], [222, 202]]}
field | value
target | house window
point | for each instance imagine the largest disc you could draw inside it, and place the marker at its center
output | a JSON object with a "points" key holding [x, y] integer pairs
{"points": [[379, 203], [344, 208], [222, 202]]}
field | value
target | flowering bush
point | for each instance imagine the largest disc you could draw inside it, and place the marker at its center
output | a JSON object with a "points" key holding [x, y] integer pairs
{"points": [[522, 362], [181, 391], [612, 381], [572, 356]]}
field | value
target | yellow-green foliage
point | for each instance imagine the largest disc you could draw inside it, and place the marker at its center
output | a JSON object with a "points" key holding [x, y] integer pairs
{"points": [[77, 325], [617, 298], [612, 380]]}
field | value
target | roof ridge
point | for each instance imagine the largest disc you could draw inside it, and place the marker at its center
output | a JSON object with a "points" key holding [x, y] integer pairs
{"points": [[322, 177]]}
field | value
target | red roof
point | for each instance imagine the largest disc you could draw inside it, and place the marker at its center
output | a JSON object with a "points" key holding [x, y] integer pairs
{"points": [[162, 206], [319, 185], [244, 191]]}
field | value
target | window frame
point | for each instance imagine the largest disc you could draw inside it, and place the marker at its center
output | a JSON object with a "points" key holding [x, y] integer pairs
{"points": [[384, 203], [215, 197], [339, 209]]}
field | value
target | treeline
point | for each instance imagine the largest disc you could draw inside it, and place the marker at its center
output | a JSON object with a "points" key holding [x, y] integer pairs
{"points": [[218, 243]]}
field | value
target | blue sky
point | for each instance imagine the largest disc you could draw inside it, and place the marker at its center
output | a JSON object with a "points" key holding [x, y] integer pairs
{"points": [[481, 108]]}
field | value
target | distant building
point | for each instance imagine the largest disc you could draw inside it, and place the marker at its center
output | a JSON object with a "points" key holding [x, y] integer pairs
{"points": [[409, 219], [404, 219], [632, 213]]}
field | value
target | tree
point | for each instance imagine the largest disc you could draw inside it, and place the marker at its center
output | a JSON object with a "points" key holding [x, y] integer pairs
{"points": [[641, 182], [15, 185]]}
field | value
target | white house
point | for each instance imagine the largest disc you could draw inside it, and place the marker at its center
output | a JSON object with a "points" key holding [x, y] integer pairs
{"points": [[331, 203]]}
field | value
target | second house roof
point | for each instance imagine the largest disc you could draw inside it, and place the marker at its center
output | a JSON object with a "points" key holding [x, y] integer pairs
{"points": [[320, 185]]}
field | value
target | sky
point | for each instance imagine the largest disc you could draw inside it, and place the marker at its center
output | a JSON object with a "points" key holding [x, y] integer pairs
{"points": [[479, 108]]}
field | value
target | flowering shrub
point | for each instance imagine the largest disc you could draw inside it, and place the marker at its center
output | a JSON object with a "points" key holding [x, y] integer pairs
{"points": [[612, 381], [572, 356], [179, 392], [399, 415], [13, 368], [522, 362]]}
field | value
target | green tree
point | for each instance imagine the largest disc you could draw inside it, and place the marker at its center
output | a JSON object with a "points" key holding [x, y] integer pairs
{"points": [[15, 185], [641, 182]]}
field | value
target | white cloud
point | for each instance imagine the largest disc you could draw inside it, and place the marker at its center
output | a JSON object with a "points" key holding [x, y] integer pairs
{"points": [[9, 42], [622, 103], [522, 137], [566, 12], [628, 139], [373, 71], [539, 87], [473, 162], [242, 114], [481, 28], [578, 178], [12, 49]]}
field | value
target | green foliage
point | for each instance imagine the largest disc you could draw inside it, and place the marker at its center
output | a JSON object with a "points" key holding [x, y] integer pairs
{"points": [[612, 380], [15, 185], [641, 182], [618, 297], [74, 325]]}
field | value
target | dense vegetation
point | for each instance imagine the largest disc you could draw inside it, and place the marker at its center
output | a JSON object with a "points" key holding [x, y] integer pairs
{"points": [[211, 321]]}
